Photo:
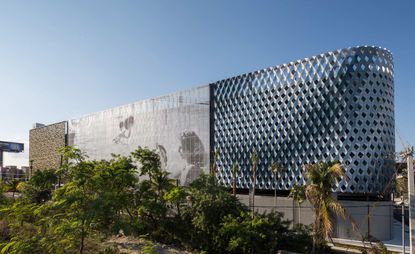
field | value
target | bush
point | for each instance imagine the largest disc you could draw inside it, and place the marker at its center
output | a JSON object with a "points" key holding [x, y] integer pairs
{"points": [[4, 231], [101, 197], [263, 233], [207, 205], [298, 239]]}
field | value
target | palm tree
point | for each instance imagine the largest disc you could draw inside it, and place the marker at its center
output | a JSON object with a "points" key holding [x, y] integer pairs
{"points": [[235, 169], [276, 169], [214, 169], [254, 159], [298, 194], [322, 179], [13, 183]]}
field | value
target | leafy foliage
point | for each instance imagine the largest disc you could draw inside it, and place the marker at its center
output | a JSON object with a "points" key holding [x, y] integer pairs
{"points": [[298, 193], [246, 234], [322, 179], [39, 188], [234, 171], [207, 206], [71, 209]]}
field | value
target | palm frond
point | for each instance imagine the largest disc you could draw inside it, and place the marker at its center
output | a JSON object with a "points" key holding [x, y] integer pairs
{"points": [[326, 223], [338, 209], [235, 169], [337, 170]]}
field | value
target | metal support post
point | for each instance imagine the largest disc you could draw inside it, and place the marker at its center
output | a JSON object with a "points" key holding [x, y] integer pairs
{"points": [[403, 227], [411, 198]]}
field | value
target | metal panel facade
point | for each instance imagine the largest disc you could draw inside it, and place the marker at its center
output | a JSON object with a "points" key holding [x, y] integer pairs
{"points": [[176, 126], [334, 106]]}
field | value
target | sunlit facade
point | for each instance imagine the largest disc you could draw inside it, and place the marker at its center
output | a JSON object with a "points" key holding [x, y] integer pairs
{"points": [[335, 106]]}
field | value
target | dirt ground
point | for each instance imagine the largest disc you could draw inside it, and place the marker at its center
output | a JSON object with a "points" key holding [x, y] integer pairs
{"points": [[133, 245]]}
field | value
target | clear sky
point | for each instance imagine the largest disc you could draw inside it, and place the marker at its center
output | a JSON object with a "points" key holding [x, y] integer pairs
{"points": [[63, 59]]}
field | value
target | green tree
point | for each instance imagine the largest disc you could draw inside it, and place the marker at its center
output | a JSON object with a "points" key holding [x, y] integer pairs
{"points": [[44, 179], [3, 200], [254, 160], [207, 205], [215, 168], [235, 169], [114, 182], [264, 233], [39, 188], [322, 179], [76, 204], [92, 200], [70, 157], [12, 184], [276, 169], [298, 194], [176, 196], [151, 204], [101, 197], [22, 233]]}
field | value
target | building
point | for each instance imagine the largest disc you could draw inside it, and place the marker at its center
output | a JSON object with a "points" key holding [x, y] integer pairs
{"points": [[13, 172], [334, 106], [9, 147], [338, 105]]}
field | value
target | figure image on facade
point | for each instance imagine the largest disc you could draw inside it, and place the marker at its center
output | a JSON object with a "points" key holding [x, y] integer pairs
{"points": [[162, 152], [125, 130], [192, 151]]}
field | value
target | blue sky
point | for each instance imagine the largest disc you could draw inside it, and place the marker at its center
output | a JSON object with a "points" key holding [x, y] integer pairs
{"points": [[63, 59]]}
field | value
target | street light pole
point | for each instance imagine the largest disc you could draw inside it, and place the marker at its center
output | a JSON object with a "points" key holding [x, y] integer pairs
{"points": [[408, 155], [403, 227], [30, 168]]}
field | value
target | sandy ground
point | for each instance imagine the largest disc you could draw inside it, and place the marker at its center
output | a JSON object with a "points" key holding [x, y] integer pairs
{"points": [[132, 245]]}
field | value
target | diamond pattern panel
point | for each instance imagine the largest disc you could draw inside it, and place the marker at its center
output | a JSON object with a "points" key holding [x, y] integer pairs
{"points": [[337, 105]]}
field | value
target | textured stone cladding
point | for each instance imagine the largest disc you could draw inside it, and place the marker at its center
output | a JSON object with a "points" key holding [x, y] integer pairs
{"points": [[334, 106], [44, 143]]}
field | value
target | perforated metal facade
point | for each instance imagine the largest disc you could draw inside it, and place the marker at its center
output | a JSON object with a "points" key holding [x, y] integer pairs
{"points": [[334, 106], [176, 126]]}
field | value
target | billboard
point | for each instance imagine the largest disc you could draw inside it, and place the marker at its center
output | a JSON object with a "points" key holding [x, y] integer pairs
{"points": [[11, 147], [176, 126]]}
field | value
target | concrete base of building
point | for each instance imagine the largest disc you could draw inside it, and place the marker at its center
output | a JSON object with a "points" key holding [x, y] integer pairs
{"points": [[373, 218]]}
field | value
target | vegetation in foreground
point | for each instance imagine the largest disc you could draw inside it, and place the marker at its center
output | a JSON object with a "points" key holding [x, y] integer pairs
{"points": [[100, 198]]}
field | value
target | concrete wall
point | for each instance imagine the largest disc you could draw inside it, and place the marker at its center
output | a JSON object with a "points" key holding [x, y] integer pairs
{"points": [[285, 205], [373, 218], [380, 214], [44, 143]]}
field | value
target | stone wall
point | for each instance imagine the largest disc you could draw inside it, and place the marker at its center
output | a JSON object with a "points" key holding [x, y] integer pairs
{"points": [[44, 143]]}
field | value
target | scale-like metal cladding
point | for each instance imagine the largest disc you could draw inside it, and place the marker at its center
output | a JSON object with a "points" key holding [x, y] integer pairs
{"points": [[334, 106], [176, 126]]}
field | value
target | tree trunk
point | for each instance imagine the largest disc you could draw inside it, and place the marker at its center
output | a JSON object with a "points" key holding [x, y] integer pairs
{"points": [[178, 211], [275, 191], [253, 189], [314, 240], [234, 186], [81, 248], [315, 230]]}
